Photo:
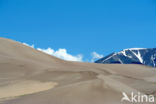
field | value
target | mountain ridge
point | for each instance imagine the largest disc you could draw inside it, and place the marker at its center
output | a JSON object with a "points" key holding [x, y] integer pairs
{"points": [[144, 56]]}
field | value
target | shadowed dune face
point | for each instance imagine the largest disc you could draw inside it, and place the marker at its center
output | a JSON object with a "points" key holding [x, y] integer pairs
{"points": [[28, 76]]}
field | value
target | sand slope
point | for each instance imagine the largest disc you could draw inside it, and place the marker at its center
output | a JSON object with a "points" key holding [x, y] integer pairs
{"points": [[28, 76]]}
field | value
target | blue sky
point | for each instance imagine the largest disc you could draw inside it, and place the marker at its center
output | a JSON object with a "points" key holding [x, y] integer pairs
{"points": [[80, 26]]}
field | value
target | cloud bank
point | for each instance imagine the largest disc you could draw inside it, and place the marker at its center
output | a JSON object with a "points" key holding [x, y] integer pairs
{"points": [[62, 53]]}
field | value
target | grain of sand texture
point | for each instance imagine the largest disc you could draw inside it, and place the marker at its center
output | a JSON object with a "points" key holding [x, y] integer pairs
{"points": [[28, 76]]}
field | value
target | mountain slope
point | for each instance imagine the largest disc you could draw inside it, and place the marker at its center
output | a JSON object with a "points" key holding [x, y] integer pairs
{"points": [[145, 56], [28, 76]]}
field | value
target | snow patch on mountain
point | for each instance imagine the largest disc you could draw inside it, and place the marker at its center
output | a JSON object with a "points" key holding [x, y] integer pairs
{"points": [[145, 56]]}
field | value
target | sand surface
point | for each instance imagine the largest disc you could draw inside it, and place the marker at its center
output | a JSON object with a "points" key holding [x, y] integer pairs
{"points": [[28, 76], [24, 88]]}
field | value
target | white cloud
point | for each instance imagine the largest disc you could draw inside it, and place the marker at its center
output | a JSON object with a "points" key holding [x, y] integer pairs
{"points": [[62, 53], [95, 56], [32, 46]]}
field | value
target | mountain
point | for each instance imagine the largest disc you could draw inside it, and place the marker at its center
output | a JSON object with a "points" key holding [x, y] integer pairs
{"points": [[28, 76], [145, 56]]}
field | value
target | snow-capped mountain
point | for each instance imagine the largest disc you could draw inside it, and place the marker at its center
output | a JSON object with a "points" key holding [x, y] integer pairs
{"points": [[145, 56]]}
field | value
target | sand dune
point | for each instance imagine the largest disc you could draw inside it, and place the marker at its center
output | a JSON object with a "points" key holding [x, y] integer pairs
{"points": [[24, 88], [28, 76]]}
